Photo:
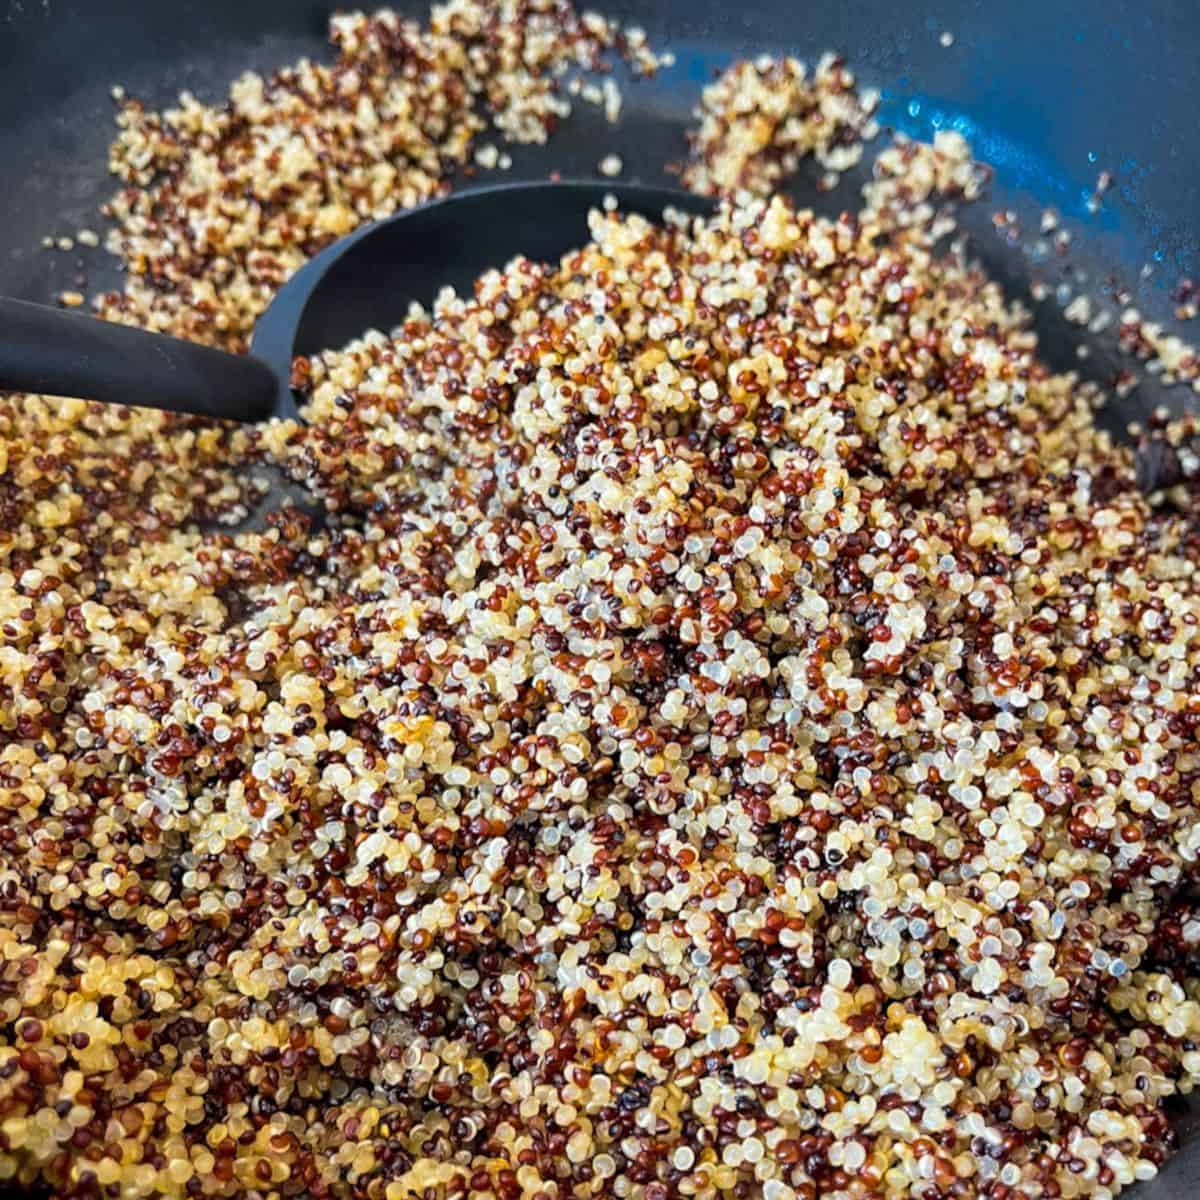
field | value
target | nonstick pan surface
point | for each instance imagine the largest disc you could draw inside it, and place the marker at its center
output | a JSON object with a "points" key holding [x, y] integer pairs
{"points": [[1050, 93]]}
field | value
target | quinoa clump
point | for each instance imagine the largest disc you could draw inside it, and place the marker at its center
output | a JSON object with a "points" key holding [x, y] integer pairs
{"points": [[760, 118]]}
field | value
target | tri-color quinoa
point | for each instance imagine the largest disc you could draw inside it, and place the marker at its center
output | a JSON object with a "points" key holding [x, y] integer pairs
{"points": [[758, 120], [222, 203], [736, 737]]}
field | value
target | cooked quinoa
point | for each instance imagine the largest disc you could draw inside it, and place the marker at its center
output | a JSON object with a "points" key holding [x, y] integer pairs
{"points": [[744, 740], [222, 203], [736, 736], [761, 118]]}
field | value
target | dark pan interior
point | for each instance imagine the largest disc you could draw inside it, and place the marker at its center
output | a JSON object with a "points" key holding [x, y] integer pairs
{"points": [[1049, 92]]}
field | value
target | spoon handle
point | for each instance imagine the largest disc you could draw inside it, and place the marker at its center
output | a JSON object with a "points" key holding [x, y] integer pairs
{"points": [[58, 353]]}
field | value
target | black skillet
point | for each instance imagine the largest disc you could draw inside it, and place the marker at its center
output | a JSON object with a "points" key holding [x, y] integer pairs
{"points": [[1051, 92]]}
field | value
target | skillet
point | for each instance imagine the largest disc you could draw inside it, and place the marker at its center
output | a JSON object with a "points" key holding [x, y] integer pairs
{"points": [[1050, 93]]}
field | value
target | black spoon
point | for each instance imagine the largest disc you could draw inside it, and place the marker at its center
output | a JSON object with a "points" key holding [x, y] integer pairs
{"points": [[364, 281]]}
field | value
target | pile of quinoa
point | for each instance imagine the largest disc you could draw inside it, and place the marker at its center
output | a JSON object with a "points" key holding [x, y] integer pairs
{"points": [[760, 119], [735, 737], [222, 203]]}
